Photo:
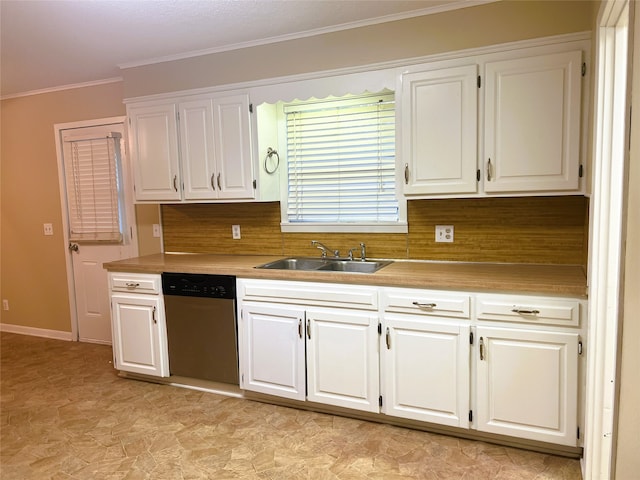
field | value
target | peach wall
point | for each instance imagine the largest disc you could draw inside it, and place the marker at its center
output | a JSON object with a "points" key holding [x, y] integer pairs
{"points": [[478, 26], [34, 266]]}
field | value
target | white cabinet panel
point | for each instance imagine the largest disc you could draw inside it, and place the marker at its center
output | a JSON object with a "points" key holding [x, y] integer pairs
{"points": [[342, 358], [532, 123], [527, 384], [272, 355], [426, 370], [154, 152], [426, 302], [139, 334], [439, 130], [196, 149]]}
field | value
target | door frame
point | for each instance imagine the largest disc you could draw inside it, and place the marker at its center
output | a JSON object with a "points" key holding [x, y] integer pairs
{"points": [[606, 237], [129, 209]]}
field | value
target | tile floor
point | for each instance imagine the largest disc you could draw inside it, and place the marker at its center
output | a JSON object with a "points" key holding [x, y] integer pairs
{"points": [[65, 414]]}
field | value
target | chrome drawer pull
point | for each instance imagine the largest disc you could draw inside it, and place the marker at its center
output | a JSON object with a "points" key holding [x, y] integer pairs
{"points": [[425, 305], [132, 285], [525, 311]]}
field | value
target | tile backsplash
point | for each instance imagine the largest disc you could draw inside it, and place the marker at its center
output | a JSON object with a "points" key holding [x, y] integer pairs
{"points": [[550, 230]]}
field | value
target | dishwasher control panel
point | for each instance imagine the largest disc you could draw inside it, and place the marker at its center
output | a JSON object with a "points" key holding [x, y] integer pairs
{"points": [[199, 285]]}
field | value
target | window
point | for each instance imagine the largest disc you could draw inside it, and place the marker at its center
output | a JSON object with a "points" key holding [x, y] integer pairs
{"points": [[341, 164], [92, 180]]}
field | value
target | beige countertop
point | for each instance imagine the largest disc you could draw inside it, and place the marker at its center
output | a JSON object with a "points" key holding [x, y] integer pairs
{"points": [[565, 280]]}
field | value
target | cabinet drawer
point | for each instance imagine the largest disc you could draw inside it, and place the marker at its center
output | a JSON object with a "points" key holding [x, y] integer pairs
{"points": [[524, 309], [135, 282], [425, 302], [303, 293]]}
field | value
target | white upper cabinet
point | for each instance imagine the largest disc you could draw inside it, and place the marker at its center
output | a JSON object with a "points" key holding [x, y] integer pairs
{"points": [[510, 123], [439, 130], [532, 123], [193, 149], [154, 152]]}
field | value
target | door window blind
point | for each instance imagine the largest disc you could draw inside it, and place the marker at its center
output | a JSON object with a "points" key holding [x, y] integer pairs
{"points": [[341, 161], [92, 180]]}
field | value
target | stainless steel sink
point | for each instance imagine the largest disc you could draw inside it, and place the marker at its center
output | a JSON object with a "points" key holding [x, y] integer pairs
{"points": [[326, 264]]}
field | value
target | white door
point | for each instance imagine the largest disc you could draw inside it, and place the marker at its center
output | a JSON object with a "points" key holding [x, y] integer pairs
{"points": [[90, 242], [272, 350], [426, 370], [528, 384], [342, 358], [439, 131]]}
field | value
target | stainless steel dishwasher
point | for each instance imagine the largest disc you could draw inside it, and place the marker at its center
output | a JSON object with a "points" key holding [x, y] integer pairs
{"points": [[201, 326]]}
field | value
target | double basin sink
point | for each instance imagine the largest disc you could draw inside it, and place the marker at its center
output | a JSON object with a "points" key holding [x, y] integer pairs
{"points": [[326, 265]]}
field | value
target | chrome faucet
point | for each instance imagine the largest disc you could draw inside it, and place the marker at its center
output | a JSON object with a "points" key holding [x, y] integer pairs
{"points": [[363, 252], [324, 249]]}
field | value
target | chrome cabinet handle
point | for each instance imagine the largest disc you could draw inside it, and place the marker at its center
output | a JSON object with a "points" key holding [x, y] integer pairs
{"points": [[175, 182], [388, 339], [213, 177], [132, 285], [300, 328], [425, 305], [489, 170], [308, 329], [219, 186], [406, 173], [525, 311], [482, 353]]}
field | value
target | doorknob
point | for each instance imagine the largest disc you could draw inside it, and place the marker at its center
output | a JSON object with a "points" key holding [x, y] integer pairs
{"points": [[74, 247]]}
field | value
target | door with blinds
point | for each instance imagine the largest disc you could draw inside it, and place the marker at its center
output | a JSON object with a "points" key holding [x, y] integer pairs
{"points": [[97, 219]]}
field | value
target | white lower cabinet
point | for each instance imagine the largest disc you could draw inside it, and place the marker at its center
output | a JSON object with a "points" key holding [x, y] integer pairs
{"points": [[426, 370], [527, 384], [272, 350], [342, 358], [138, 324]]}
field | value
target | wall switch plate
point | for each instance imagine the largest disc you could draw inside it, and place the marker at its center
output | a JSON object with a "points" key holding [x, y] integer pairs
{"points": [[156, 230], [5, 304], [48, 229], [444, 233], [235, 232]]}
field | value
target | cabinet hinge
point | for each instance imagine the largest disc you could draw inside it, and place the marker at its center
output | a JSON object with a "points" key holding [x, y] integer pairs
{"points": [[479, 81], [129, 121], [584, 68], [470, 338], [251, 108], [580, 347], [471, 415], [478, 175], [255, 184], [379, 328], [578, 432], [178, 116], [580, 171], [380, 400]]}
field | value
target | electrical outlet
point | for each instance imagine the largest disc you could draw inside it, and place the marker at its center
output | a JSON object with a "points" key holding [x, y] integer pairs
{"points": [[444, 233], [235, 232], [156, 230], [5, 304], [48, 229]]}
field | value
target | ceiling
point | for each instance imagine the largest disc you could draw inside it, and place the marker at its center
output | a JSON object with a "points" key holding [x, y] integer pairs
{"points": [[47, 44]]}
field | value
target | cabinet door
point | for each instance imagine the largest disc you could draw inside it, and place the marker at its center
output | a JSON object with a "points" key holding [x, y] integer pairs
{"points": [[342, 358], [527, 384], [154, 152], [426, 370], [139, 334], [532, 123], [196, 149], [272, 350], [233, 147], [439, 131]]}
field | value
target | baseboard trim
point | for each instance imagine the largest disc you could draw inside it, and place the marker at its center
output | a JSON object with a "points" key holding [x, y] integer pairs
{"points": [[36, 332]]}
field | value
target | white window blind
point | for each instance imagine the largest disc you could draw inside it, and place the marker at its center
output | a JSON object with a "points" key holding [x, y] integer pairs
{"points": [[92, 178], [341, 161]]}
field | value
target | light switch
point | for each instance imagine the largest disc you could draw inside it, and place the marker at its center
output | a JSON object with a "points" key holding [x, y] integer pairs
{"points": [[444, 233], [156, 230]]}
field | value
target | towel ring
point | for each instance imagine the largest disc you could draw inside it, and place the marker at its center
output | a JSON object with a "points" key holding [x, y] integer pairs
{"points": [[270, 153]]}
